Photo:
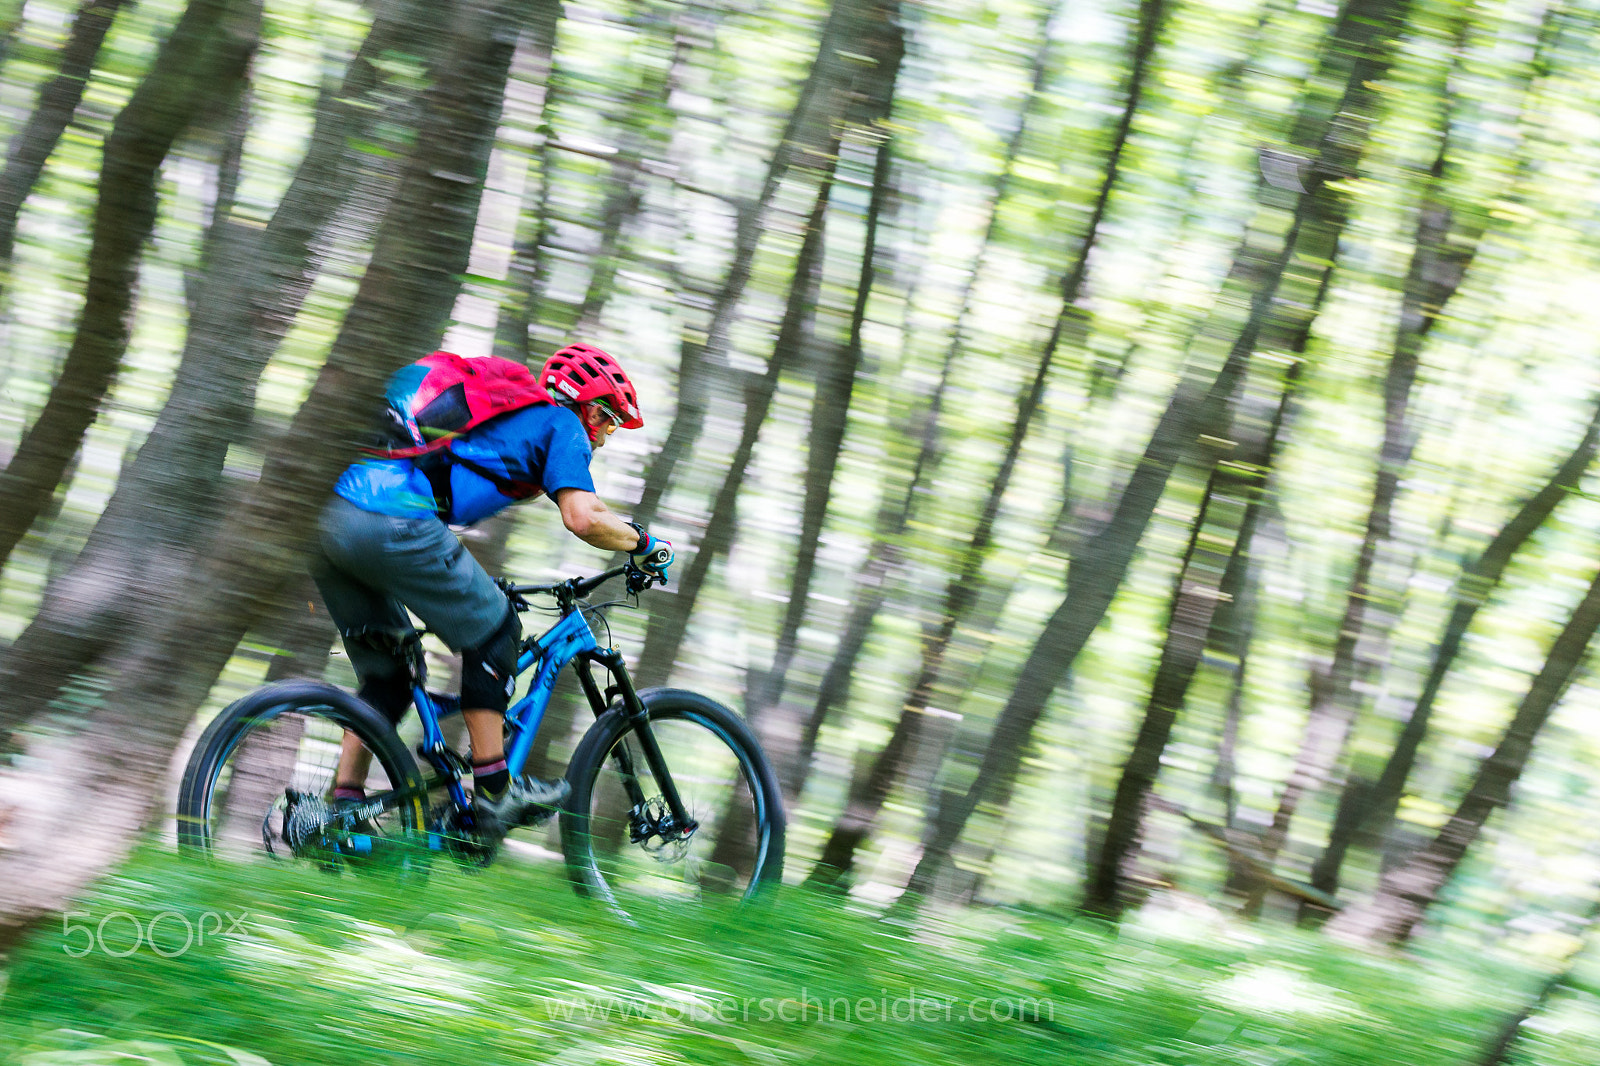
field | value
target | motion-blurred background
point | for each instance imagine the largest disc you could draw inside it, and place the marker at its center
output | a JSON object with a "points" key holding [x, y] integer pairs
{"points": [[1112, 448]]}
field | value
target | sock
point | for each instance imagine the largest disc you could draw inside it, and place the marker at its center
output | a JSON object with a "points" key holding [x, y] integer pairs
{"points": [[491, 779], [349, 792]]}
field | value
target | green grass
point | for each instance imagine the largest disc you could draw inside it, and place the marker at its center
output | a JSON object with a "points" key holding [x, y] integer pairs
{"points": [[508, 966]]}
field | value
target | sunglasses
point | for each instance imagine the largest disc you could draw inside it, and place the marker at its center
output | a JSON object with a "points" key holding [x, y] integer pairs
{"points": [[610, 412]]}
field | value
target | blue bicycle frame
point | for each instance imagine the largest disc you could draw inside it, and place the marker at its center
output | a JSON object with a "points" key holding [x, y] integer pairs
{"points": [[550, 652], [569, 640]]}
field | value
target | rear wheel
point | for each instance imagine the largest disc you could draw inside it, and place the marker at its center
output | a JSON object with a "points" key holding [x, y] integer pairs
{"points": [[261, 779], [620, 850]]}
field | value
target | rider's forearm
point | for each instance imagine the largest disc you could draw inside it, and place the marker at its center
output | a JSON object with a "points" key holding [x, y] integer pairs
{"points": [[588, 519], [609, 532]]}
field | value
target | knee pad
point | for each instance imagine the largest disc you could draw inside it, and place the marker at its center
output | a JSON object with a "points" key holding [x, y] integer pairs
{"points": [[390, 696], [489, 670]]}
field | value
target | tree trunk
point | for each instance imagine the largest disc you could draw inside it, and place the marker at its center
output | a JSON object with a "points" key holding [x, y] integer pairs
{"points": [[1231, 630], [1332, 695], [645, 132], [830, 409], [1233, 626], [833, 391], [870, 790], [1097, 569], [961, 592], [1406, 891], [31, 146], [871, 593], [401, 307], [1445, 247], [670, 620], [782, 731], [1478, 579], [206, 53], [806, 141], [901, 488], [872, 583], [1218, 546], [1093, 578], [166, 501], [519, 312], [10, 19], [301, 634], [1437, 267], [841, 91], [1075, 514]]}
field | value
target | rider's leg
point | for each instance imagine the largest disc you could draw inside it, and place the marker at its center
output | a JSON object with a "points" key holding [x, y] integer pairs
{"points": [[359, 609], [350, 781], [420, 563], [488, 676], [486, 729], [370, 568], [390, 695]]}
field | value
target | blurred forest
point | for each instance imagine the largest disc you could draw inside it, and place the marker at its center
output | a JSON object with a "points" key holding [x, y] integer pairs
{"points": [[1113, 448]]}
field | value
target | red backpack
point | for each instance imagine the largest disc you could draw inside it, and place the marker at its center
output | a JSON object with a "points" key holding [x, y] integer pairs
{"points": [[442, 397], [438, 398]]}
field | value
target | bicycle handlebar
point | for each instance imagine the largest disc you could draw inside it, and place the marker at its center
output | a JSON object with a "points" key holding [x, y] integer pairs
{"points": [[576, 588]]}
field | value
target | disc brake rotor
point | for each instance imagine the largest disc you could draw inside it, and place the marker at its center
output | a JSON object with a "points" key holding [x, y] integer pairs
{"points": [[650, 822]]}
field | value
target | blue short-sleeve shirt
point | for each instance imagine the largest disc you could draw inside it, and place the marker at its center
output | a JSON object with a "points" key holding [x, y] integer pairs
{"points": [[542, 445]]}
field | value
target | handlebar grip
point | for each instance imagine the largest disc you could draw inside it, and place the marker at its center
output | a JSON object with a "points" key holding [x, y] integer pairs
{"points": [[659, 557]]}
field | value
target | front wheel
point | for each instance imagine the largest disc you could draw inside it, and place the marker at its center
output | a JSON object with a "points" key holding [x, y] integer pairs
{"points": [[620, 840], [260, 782]]}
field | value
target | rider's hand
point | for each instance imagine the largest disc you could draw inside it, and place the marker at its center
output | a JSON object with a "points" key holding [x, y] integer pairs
{"points": [[653, 555], [656, 557]]}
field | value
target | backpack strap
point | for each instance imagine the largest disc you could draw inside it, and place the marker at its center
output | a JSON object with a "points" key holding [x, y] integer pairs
{"points": [[516, 490], [438, 474], [436, 468]]}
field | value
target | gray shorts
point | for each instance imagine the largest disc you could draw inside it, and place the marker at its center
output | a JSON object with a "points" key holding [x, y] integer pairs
{"points": [[371, 567]]}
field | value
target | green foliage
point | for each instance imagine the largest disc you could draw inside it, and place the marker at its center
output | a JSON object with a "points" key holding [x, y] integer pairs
{"points": [[679, 106], [510, 966]]}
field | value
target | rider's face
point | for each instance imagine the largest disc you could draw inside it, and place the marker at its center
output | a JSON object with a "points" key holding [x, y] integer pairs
{"points": [[596, 417]]}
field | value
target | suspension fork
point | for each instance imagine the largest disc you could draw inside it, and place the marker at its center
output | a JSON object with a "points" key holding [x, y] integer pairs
{"points": [[622, 754]]}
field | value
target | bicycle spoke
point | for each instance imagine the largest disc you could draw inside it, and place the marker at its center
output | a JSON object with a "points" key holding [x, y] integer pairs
{"points": [[622, 848], [261, 783]]}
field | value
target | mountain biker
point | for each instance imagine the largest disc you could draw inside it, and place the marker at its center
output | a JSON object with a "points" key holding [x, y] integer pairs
{"points": [[384, 546]]}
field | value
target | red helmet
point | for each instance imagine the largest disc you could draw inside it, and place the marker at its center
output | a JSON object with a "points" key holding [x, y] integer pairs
{"points": [[580, 374]]}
